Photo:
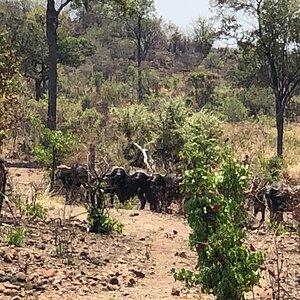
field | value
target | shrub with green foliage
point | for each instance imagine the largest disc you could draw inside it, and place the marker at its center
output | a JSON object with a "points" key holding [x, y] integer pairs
{"points": [[99, 221], [213, 185], [56, 143], [36, 211], [234, 110], [16, 236]]}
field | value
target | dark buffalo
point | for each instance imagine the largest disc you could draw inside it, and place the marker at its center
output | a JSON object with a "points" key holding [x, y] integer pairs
{"points": [[278, 198], [72, 179], [127, 186], [165, 189]]}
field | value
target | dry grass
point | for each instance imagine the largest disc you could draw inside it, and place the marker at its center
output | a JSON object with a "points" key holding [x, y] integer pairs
{"points": [[258, 141]]}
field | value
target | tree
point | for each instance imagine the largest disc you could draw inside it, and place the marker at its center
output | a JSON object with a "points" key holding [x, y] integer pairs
{"points": [[273, 42], [52, 14], [203, 82], [203, 35], [9, 82], [143, 30], [51, 30]]}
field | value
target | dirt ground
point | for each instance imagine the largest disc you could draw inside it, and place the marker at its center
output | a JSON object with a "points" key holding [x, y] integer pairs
{"points": [[61, 260]]}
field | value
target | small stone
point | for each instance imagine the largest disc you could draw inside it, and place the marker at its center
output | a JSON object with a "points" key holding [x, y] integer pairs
{"points": [[175, 292], [131, 282], [111, 287], [181, 254], [16, 298], [9, 255], [10, 286], [48, 273], [41, 246], [135, 214], [2, 288], [9, 292], [21, 277], [114, 281], [94, 260], [138, 274], [84, 254]]}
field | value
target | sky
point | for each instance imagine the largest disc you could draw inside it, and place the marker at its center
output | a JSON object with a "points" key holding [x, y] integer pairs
{"points": [[182, 12]]}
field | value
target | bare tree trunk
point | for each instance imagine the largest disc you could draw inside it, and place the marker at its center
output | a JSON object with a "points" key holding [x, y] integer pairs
{"points": [[139, 59], [51, 27], [90, 168], [279, 125], [38, 89]]}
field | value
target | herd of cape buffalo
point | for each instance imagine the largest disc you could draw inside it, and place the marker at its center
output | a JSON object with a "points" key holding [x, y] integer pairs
{"points": [[156, 189]]}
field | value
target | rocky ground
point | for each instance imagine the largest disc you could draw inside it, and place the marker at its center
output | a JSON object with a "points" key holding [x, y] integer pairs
{"points": [[61, 260]]}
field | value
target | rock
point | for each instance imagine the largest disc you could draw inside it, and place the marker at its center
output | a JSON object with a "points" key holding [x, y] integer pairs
{"points": [[84, 254], [95, 261], [175, 232], [131, 282], [114, 281], [138, 274], [181, 254], [135, 214], [2, 288], [21, 277], [122, 261], [9, 292], [175, 292], [38, 287], [9, 255], [10, 286], [48, 273], [111, 287], [33, 276], [118, 273], [16, 298], [125, 293], [41, 246]]}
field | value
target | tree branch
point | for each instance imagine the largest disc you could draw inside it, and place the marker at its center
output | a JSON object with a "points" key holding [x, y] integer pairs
{"points": [[62, 6]]}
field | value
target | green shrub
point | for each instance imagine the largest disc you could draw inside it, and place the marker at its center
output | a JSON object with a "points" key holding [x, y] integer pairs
{"points": [[16, 236], [55, 143], [234, 110], [214, 183], [275, 166], [36, 211], [99, 221]]}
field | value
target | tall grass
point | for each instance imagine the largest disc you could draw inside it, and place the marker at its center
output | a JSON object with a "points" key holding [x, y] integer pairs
{"points": [[257, 139]]}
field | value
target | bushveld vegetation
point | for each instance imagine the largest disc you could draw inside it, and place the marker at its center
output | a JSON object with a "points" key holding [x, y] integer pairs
{"points": [[109, 73]]}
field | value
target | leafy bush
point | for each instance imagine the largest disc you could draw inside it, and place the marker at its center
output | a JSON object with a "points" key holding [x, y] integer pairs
{"points": [[275, 165], [99, 221], [36, 211], [135, 122], [234, 110], [213, 185], [168, 129], [56, 143], [16, 236]]}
